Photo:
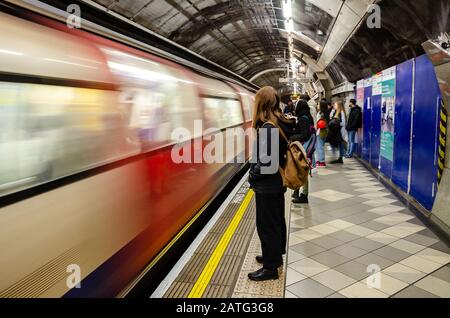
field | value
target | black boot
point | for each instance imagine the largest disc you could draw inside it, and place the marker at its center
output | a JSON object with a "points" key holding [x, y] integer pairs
{"points": [[295, 194], [338, 161], [301, 199], [263, 274]]}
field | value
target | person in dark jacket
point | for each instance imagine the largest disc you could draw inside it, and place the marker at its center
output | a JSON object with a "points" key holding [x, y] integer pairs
{"points": [[268, 186], [353, 124], [303, 132], [289, 109]]}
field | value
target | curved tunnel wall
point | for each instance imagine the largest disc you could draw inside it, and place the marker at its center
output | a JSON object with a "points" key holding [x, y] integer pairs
{"points": [[400, 136]]}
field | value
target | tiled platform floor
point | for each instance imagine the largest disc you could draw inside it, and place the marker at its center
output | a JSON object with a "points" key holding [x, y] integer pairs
{"points": [[352, 224]]}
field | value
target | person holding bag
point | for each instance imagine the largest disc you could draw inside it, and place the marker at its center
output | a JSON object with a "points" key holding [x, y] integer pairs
{"points": [[268, 187], [337, 134], [304, 133], [323, 118]]}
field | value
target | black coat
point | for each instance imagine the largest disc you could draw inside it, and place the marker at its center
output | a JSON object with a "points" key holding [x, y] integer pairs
{"points": [[334, 136], [304, 128], [354, 119], [269, 183]]}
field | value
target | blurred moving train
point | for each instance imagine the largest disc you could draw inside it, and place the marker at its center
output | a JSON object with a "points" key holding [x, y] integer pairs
{"points": [[86, 175]]}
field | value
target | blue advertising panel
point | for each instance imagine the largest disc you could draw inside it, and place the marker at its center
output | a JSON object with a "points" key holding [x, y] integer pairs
{"points": [[367, 119], [425, 133], [375, 132], [402, 131]]}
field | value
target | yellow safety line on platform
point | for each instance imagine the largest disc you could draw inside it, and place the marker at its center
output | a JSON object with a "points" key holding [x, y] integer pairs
{"points": [[208, 272]]}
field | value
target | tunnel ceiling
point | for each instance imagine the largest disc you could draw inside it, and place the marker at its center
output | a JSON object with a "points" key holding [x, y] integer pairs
{"points": [[248, 36], [245, 36], [405, 25]]}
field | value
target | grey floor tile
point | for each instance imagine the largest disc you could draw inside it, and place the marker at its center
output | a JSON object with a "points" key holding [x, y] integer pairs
{"points": [[323, 218], [415, 221], [392, 253], [408, 212], [435, 286], [342, 212], [357, 218], [353, 269], [341, 204], [308, 249], [344, 236], [429, 233], [441, 246], [366, 244], [330, 259], [309, 288], [414, 292], [334, 279], [443, 273], [374, 225], [421, 239], [304, 223], [349, 251], [374, 259], [327, 242]]}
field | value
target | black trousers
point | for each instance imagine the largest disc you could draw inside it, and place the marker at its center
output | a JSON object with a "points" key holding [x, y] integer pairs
{"points": [[271, 227]]}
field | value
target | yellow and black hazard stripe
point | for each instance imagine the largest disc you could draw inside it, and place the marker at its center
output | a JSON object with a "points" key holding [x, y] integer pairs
{"points": [[442, 141]]}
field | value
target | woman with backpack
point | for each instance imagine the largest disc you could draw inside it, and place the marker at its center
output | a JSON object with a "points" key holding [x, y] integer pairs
{"points": [[323, 118], [268, 188], [305, 134]]}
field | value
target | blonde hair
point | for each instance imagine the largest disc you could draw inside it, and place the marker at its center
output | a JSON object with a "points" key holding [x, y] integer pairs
{"points": [[340, 109], [265, 107]]}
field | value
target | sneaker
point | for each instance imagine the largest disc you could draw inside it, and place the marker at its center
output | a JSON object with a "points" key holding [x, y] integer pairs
{"points": [[302, 199], [338, 161], [321, 164]]}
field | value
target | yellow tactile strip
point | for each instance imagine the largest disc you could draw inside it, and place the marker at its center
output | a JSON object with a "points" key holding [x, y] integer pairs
{"points": [[204, 277]]}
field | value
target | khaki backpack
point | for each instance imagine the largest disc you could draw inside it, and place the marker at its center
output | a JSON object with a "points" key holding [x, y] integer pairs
{"points": [[297, 167]]}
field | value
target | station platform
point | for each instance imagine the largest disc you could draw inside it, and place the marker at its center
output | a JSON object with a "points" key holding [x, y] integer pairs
{"points": [[353, 239]]}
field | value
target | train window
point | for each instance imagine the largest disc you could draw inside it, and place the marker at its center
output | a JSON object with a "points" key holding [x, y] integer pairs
{"points": [[248, 107], [222, 113], [47, 132], [160, 97]]}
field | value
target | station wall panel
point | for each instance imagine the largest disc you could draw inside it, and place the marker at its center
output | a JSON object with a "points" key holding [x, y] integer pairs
{"points": [[375, 132], [402, 128], [418, 102], [425, 133], [367, 123]]}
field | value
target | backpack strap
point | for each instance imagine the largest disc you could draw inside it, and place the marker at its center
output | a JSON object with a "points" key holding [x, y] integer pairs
{"points": [[281, 130]]}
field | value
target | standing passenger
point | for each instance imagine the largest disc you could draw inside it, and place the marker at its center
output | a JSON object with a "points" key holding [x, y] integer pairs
{"points": [[354, 123], [289, 109], [269, 190], [323, 118], [312, 107], [340, 118], [303, 133]]}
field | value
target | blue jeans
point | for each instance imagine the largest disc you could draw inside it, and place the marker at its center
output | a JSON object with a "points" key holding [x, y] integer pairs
{"points": [[341, 150], [352, 143], [320, 149]]}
